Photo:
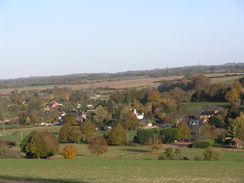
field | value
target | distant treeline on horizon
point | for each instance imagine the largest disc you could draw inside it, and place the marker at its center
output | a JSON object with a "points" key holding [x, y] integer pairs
{"points": [[87, 78]]}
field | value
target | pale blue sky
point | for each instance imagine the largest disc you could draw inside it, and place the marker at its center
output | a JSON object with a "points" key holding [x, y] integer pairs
{"points": [[58, 37]]}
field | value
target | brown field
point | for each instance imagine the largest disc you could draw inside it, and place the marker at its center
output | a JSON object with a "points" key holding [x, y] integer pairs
{"points": [[121, 84]]}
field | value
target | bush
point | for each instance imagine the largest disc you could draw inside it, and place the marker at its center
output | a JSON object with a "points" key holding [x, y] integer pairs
{"points": [[8, 143], [169, 153], [154, 143], [198, 158], [167, 135], [4, 152], [200, 144], [211, 154], [211, 141], [69, 152]]}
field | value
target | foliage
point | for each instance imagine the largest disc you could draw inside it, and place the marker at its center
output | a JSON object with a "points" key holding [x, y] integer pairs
{"points": [[70, 119], [98, 145], [130, 121], [217, 121], [100, 116], [51, 141], [167, 135], [211, 154], [200, 144], [69, 152], [202, 132], [39, 145], [88, 129], [232, 95], [75, 136], [236, 128], [4, 151], [64, 133], [184, 130], [154, 143], [68, 134], [170, 154], [117, 136]]}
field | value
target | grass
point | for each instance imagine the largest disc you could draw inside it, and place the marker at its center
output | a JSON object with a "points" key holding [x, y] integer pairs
{"points": [[121, 164], [137, 168], [195, 105]]}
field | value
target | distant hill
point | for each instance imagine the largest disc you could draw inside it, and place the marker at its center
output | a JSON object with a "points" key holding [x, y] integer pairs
{"points": [[99, 77]]}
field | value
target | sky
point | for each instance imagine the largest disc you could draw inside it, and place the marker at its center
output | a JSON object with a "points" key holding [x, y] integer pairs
{"points": [[59, 37]]}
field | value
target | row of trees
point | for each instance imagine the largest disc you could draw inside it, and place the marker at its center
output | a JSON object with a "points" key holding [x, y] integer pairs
{"points": [[88, 78]]}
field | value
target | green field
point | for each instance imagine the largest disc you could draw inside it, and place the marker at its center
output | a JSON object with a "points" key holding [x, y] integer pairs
{"points": [[136, 168], [120, 164], [195, 105]]}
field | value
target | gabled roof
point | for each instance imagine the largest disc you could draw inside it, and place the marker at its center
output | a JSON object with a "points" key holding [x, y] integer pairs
{"points": [[195, 122], [207, 113]]}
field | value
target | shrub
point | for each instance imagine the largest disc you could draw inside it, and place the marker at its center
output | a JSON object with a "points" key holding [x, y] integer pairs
{"points": [[69, 152], [8, 143], [162, 157], [98, 145], [167, 135], [169, 153], [178, 153], [211, 141], [200, 144], [211, 154], [3, 150], [198, 158], [154, 143]]}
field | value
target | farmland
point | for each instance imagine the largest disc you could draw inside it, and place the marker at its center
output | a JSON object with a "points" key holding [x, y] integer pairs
{"points": [[120, 164], [137, 82], [135, 168]]}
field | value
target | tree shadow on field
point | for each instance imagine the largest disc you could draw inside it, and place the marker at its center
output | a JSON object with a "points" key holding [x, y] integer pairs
{"points": [[11, 179], [136, 150]]}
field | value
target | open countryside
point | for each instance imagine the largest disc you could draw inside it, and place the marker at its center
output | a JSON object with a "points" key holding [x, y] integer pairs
{"points": [[165, 131]]}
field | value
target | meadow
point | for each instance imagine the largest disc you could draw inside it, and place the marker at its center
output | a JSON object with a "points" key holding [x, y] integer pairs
{"points": [[120, 164], [140, 167]]}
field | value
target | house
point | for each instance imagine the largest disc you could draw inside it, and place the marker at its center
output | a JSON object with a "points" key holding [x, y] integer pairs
{"points": [[146, 123], [195, 122], [139, 115], [208, 112], [236, 143]]}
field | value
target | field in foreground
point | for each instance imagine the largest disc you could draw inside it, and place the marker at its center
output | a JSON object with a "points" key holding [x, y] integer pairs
{"points": [[140, 167]]}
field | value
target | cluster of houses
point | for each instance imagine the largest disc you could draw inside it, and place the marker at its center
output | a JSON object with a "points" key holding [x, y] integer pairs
{"points": [[195, 119]]}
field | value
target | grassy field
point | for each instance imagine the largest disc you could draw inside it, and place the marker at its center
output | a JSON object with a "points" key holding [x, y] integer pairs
{"points": [[135, 168], [120, 164], [195, 105]]}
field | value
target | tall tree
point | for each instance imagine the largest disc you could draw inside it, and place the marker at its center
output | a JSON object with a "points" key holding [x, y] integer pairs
{"points": [[88, 129], [130, 121], [236, 128], [98, 145], [184, 130], [117, 136]]}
